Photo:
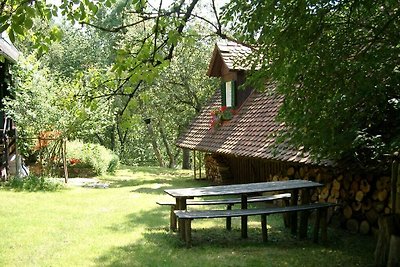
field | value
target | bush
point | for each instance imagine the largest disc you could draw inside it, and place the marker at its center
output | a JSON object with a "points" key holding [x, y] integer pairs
{"points": [[113, 165], [33, 183], [100, 159]]}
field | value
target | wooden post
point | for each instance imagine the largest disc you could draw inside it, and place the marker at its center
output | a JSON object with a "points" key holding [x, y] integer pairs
{"points": [[316, 226], [393, 187], [64, 156], [264, 228], [305, 199], [18, 163], [286, 216], [387, 227], [229, 219], [324, 225], [244, 218], [172, 218], [188, 232], [7, 156], [394, 251], [181, 205], [40, 156], [194, 163], [293, 215], [200, 163], [396, 207]]}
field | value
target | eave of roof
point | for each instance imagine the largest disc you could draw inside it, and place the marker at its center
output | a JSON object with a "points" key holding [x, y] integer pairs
{"points": [[7, 49]]}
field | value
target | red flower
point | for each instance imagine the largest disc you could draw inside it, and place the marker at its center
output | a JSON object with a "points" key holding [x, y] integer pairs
{"points": [[73, 161], [223, 108]]}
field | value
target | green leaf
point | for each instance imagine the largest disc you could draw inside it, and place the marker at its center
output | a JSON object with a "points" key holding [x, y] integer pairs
{"points": [[28, 23], [4, 27], [18, 29], [11, 36], [93, 7], [20, 19], [3, 19], [30, 11]]}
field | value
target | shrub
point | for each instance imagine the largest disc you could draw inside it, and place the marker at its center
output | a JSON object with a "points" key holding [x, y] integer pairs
{"points": [[100, 159], [113, 165], [33, 183]]}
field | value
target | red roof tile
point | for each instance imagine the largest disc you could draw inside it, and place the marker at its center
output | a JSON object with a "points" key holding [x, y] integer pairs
{"points": [[251, 132]]}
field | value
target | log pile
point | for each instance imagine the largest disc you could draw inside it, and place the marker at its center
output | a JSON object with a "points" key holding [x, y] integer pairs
{"points": [[362, 198], [217, 169]]}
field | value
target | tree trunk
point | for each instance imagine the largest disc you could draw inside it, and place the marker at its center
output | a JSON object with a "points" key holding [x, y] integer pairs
{"points": [[186, 159], [155, 145], [171, 157], [122, 139], [112, 138]]}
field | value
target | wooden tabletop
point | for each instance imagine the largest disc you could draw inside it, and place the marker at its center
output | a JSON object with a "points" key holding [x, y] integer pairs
{"points": [[236, 189]]}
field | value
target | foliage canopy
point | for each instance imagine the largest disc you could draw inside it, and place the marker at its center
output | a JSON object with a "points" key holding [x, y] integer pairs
{"points": [[337, 63]]}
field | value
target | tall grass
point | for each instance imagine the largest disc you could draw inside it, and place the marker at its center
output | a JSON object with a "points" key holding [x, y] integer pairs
{"points": [[123, 226]]}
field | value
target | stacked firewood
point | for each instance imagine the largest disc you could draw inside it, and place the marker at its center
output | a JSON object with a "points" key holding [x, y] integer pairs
{"points": [[362, 198], [217, 169]]}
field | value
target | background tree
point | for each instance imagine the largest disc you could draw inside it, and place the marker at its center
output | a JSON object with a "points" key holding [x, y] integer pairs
{"points": [[44, 102], [140, 42], [337, 64]]}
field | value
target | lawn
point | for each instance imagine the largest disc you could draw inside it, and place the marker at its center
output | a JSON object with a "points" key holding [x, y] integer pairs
{"points": [[123, 226]]}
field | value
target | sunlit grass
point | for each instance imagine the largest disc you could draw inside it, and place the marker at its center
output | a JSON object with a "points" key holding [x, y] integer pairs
{"points": [[123, 226]]}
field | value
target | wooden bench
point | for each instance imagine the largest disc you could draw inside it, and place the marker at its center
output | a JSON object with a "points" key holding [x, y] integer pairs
{"points": [[188, 216], [229, 202]]}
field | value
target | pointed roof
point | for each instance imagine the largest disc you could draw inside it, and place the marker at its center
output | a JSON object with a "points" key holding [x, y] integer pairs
{"points": [[230, 55]]}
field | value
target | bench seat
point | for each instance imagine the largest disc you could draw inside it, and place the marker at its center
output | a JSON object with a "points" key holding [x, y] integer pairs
{"points": [[225, 201], [228, 201], [188, 216]]}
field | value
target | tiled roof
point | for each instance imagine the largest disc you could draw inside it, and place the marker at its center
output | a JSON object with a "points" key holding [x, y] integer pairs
{"points": [[234, 55], [251, 133]]}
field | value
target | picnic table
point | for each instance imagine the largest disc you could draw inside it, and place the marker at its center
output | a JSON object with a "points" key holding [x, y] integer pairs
{"points": [[181, 196]]}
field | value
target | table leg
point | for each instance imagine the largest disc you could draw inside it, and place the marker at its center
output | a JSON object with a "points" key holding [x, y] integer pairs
{"points": [[172, 219], [293, 215], [264, 227], [188, 232], [324, 225], [305, 199], [317, 225], [229, 219], [244, 218], [181, 205]]}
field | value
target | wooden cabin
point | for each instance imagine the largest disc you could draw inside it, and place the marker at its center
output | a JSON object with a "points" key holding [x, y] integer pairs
{"points": [[243, 147], [8, 56]]}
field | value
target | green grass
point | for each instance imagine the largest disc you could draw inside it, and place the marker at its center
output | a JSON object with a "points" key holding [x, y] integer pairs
{"points": [[123, 226]]}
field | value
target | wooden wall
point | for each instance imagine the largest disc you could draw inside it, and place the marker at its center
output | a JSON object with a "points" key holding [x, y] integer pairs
{"points": [[249, 170]]}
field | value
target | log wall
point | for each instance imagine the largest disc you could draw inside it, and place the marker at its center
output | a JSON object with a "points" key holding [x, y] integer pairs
{"points": [[363, 197]]}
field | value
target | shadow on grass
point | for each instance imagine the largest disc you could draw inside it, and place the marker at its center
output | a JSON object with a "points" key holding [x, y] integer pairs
{"points": [[217, 247], [154, 218], [213, 245]]}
